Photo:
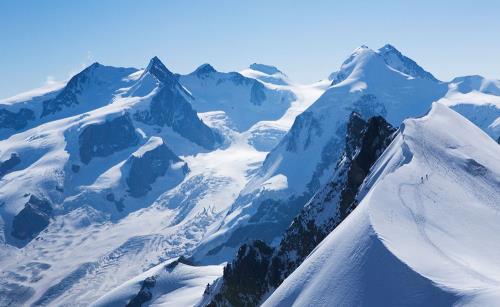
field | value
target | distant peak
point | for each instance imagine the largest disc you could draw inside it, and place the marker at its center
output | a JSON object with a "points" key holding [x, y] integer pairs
{"points": [[155, 62], [389, 47], [267, 69], [204, 69], [158, 69]]}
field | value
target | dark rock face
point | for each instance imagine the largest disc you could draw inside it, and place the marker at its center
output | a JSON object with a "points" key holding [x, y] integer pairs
{"points": [[104, 139], [34, 218], [146, 169], [15, 120], [244, 278], [257, 94], [7, 165], [365, 141], [170, 108], [144, 294]]}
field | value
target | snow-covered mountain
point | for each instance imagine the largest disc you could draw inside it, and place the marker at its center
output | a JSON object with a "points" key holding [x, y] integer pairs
{"points": [[107, 179], [417, 237], [382, 82], [120, 176], [244, 101]]}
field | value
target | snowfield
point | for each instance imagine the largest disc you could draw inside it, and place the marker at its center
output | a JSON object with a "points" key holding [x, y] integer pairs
{"points": [[418, 236]]}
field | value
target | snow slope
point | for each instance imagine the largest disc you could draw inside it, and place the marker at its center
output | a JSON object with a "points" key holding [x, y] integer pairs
{"points": [[418, 236], [174, 284]]}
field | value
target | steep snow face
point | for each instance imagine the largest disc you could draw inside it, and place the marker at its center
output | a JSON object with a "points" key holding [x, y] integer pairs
{"points": [[245, 101], [418, 236], [306, 156]]}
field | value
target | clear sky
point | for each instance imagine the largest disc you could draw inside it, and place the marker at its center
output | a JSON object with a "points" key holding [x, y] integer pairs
{"points": [[42, 41]]}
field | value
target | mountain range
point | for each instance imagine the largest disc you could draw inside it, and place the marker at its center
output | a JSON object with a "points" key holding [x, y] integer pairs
{"points": [[138, 186]]}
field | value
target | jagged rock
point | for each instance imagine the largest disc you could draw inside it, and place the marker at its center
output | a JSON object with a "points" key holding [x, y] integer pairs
{"points": [[244, 278], [15, 120], [32, 219], [144, 294], [364, 143], [7, 165], [104, 139]]}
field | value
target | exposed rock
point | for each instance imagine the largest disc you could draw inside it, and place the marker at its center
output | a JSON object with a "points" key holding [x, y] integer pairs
{"points": [[146, 168], [15, 120], [104, 139], [144, 294], [32, 219], [244, 278], [7, 165], [257, 94]]}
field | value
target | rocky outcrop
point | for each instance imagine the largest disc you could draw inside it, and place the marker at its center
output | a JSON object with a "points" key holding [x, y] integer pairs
{"points": [[104, 139], [365, 141], [144, 294], [257, 94], [7, 165], [147, 167], [244, 278], [32, 219], [15, 120]]}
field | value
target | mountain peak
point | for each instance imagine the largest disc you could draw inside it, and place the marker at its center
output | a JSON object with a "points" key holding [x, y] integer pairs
{"points": [[204, 69], [158, 70], [389, 48]]}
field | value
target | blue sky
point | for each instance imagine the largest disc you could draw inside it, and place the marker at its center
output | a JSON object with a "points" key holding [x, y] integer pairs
{"points": [[49, 40]]}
